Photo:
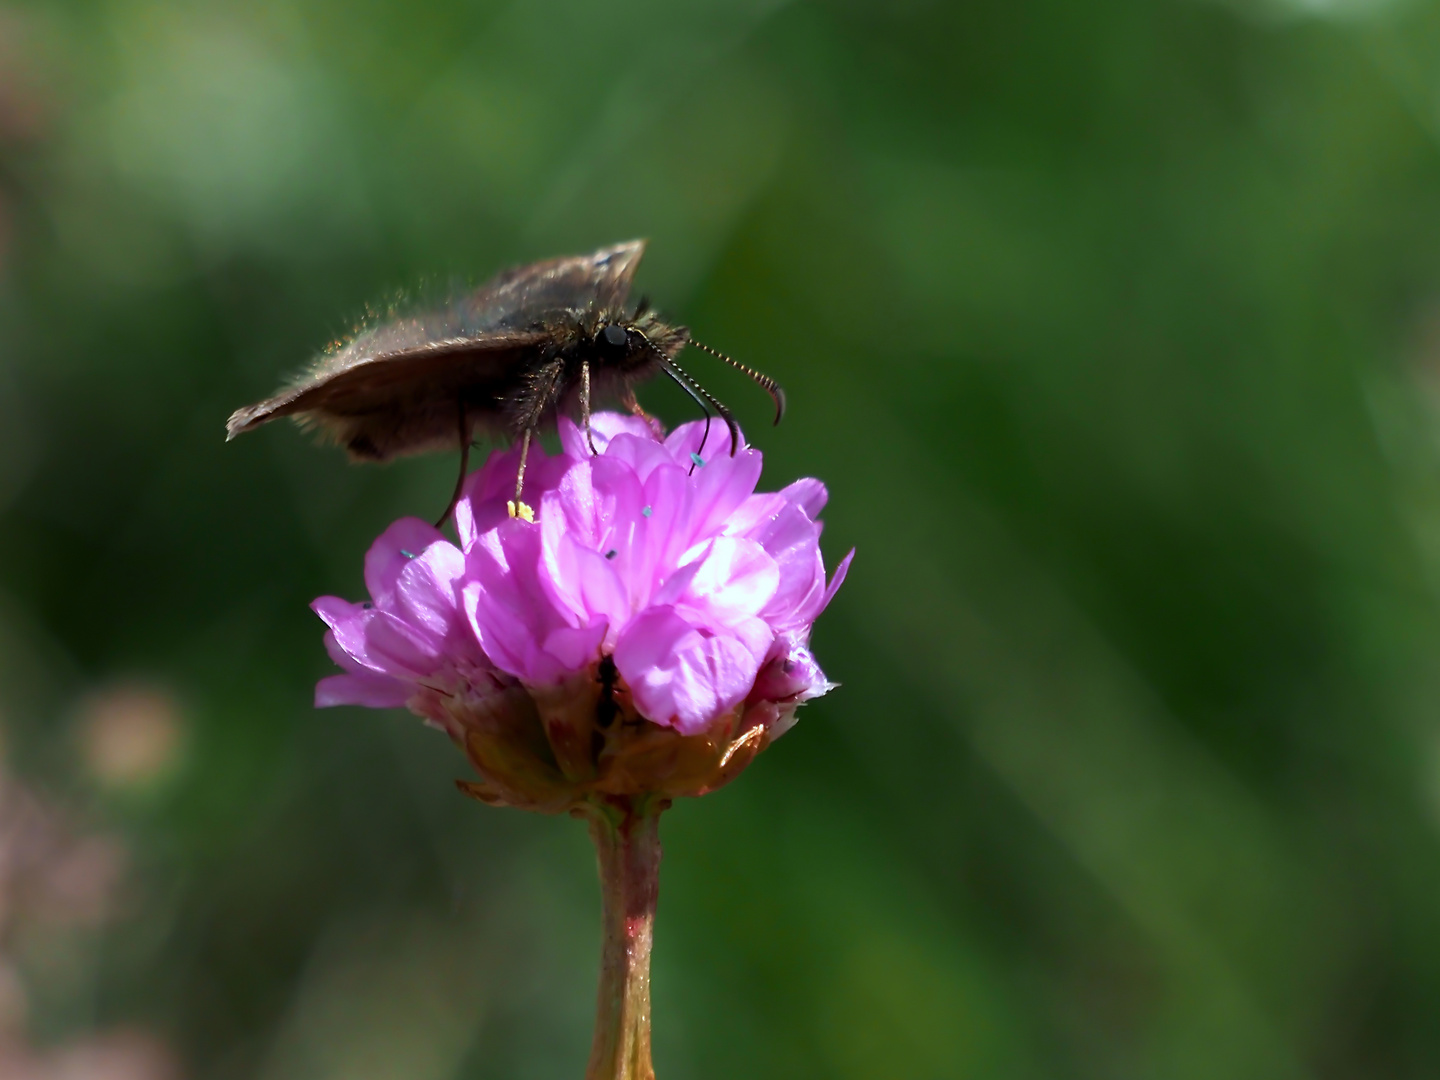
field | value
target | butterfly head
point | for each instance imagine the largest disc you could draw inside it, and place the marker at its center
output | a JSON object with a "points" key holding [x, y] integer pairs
{"points": [[630, 346]]}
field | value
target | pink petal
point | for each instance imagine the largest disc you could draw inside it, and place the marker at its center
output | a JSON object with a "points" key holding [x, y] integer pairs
{"points": [[808, 494], [665, 529], [755, 635], [396, 647], [593, 529], [348, 625], [573, 508], [720, 488], [359, 685], [505, 616], [486, 491], [574, 648], [585, 584], [732, 580], [793, 541], [377, 641], [604, 426], [687, 439], [425, 594], [367, 689], [791, 675], [512, 614], [836, 580], [339, 655], [392, 551], [642, 454], [333, 611], [482, 497], [680, 677], [754, 512]]}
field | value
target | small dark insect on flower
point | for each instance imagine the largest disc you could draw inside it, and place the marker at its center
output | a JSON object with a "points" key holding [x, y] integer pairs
{"points": [[504, 360]]}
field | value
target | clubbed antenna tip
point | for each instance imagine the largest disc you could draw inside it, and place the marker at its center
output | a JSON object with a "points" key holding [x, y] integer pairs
{"points": [[769, 385]]}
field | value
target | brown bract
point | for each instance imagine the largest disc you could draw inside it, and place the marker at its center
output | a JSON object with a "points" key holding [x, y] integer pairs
{"points": [[556, 749]]}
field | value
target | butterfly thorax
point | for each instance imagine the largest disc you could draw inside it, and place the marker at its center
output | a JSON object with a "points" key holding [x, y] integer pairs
{"points": [[613, 351]]}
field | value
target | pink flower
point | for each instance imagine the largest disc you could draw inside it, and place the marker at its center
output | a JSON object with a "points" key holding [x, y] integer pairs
{"points": [[410, 637], [649, 571]]}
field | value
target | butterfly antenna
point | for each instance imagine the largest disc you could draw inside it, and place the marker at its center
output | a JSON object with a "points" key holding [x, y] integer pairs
{"points": [[698, 392], [714, 403], [769, 385], [665, 367]]}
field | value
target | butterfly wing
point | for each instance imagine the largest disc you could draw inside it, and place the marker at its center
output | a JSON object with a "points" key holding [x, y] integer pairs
{"points": [[572, 286], [395, 388], [517, 301], [403, 402]]}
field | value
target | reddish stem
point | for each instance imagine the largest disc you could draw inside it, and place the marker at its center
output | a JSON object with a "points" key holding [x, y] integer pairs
{"points": [[627, 840]]}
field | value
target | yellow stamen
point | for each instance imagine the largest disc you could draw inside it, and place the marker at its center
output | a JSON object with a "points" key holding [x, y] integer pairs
{"points": [[521, 510]]}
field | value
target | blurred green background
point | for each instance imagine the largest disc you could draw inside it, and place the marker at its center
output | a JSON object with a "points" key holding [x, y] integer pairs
{"points": [[1114, 329]]}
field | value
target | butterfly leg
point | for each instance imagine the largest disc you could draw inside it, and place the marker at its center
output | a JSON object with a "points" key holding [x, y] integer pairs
{"points": [[464, 465], [539, 396], [520, 474], [629, 401], [585, 405]]}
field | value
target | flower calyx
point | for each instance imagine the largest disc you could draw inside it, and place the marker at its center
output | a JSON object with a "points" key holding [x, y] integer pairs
{"points": [[578, 744]]}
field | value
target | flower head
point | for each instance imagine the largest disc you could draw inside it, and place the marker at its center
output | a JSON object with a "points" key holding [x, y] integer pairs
{"points": [[644, 629]]}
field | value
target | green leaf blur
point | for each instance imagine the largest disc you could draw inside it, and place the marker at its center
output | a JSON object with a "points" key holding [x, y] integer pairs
{"points": [[1114, 329]]}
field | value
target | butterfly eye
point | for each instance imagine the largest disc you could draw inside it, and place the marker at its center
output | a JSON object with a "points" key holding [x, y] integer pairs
{"points": [[613, 336]]}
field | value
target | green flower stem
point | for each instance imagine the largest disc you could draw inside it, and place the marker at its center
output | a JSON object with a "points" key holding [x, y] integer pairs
{"points": [[627, 840]]}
